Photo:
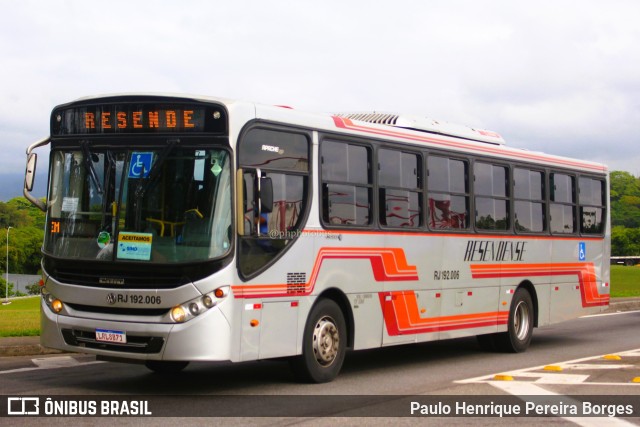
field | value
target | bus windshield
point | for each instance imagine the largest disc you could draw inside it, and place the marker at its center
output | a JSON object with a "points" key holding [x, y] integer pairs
{"points": [[162, 206]]}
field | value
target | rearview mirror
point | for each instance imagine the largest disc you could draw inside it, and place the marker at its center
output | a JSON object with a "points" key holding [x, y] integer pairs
{"points": [[30, 173]]}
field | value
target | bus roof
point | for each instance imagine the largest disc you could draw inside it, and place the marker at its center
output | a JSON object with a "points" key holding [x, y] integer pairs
{"points": [[412, 130]]}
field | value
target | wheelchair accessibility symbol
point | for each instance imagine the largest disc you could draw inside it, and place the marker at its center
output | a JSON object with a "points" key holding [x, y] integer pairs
{"points": [[140, 165], [582, 251]]}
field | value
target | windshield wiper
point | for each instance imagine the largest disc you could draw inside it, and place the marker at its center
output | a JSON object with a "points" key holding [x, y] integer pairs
{"points": [[108, 176], [88, 163]]}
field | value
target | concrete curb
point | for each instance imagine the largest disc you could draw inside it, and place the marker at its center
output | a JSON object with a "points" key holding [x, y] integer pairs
{"points": [[623, 304], [23, 346], [30, 346]]}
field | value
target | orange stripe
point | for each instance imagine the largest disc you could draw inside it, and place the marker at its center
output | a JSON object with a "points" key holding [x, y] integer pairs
{"points": [[388, 264], [407, 316], [584, 271]]}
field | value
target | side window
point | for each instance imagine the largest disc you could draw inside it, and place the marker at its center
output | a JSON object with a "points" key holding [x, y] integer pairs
{"points": [[491, 192], [277, 163], [529, 197], [399, 180], [562, 208], [346, 184], [448, 193], [592, 205]]}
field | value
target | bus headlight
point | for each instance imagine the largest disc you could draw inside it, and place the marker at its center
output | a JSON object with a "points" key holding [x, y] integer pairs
{"points": [[178, 314], [207, 301], [190, 309]]}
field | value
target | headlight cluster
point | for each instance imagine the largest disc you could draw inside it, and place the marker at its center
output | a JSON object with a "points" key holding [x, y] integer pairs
{"points": [[190, 309], [52, 302]]}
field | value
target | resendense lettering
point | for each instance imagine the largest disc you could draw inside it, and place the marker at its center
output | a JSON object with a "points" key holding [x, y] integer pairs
{"points": [[491, 251]]}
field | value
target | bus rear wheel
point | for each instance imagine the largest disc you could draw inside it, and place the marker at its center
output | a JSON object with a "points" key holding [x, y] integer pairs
{"points": [[518, 336], [520, 327], [323, 345], [164, 367]]}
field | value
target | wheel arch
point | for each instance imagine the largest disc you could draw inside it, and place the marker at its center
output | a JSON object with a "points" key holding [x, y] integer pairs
{"points": [[341, 299], [527, 285]]}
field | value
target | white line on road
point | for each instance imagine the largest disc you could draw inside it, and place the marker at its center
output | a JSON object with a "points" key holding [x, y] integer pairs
{"points": [[518, 388], [50, 363]]}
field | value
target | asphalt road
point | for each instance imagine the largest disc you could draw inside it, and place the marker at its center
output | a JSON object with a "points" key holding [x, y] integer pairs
{"points": [[453, 367]]}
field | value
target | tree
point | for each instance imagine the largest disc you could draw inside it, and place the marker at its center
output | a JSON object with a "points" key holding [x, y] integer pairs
{"points": [[625, 199], [33, 289], [25, 238], [3, 288]]}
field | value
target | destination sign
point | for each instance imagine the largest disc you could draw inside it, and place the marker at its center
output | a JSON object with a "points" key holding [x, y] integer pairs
{"points": [[138, 118]]}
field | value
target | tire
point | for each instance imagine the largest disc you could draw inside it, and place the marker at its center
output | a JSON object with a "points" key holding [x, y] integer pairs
{"points": [[164, 367], [323, 344], [520, 327]]}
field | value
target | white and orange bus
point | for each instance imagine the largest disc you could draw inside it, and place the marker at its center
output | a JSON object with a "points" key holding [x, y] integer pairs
{"points": [[198, 229]]}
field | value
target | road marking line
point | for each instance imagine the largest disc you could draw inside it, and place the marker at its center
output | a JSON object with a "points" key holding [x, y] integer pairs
{"points": [[51, 363], [517, 389], [55, 362], [609, 314], [589, 366], [527, 371]]}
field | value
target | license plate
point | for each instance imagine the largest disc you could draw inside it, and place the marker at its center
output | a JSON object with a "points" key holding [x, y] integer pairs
{"points": [[107, 335]]}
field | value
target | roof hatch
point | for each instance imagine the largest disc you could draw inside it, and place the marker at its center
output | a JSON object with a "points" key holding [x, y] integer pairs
{"points": [[425, 124]]}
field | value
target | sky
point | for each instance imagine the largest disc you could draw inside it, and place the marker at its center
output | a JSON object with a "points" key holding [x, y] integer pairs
{"points": [[557, 76]]}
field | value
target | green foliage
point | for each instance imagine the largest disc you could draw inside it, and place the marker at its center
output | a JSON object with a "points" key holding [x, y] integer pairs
{"points": [[25, 236], [625, 213], [625, 199], [3, 288], [33, 289]]}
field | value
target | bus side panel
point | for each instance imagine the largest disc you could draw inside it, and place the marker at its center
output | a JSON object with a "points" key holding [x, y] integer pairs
{"points": [[576, 282], [469, 305], [368, 321], [356, 265], [279, 328]]}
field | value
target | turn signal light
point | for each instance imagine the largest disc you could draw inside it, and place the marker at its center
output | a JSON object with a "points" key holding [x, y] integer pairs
{"points": [[56, 305]]}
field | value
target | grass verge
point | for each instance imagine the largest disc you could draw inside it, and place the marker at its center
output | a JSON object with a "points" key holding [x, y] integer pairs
{"points": [[625, 281], [20, 318]]}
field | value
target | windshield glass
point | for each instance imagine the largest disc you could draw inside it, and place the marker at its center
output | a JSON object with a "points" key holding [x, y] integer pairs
{"points": [[167, 205]]}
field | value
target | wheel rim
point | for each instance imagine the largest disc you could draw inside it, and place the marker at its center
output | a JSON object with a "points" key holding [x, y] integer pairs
{"points": [[326, 341], [521, 321]]}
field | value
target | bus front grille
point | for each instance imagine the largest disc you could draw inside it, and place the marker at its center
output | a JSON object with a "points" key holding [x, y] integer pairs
{"points": [[134, 344]]}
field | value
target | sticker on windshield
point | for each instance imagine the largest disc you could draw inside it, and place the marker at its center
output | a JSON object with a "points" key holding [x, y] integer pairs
{"points": [[104, 238], [140, 164], [70, 204], [136, 246]]}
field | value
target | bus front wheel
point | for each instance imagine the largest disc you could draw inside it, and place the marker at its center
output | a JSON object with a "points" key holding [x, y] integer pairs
{"points": [[323, 345]]}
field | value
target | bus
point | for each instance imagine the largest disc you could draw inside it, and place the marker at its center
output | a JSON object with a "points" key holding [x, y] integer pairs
{"points": [[182, 228]]}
